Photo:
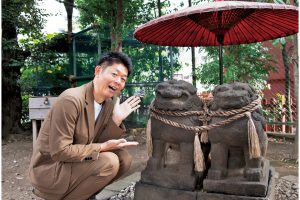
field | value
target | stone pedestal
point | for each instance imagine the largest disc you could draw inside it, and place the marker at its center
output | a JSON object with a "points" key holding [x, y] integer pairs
{"points": [[238, 185], [169, 179], [145, 191]]}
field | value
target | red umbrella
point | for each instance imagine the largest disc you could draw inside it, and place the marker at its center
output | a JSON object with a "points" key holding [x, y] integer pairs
{"points": [[221, 23]]}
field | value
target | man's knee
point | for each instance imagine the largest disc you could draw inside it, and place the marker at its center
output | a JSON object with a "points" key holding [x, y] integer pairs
{"points": [[125, 160], [108, 164]]}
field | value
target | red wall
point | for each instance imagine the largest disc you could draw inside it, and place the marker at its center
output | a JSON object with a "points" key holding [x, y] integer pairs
{"points": [[277, 79]]}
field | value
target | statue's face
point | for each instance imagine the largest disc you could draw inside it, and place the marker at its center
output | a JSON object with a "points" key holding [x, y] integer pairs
{"points": [[232, 96], [176, 95]]}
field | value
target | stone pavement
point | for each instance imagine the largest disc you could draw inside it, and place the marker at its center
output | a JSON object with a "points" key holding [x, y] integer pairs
{"points": [[117, 186]]}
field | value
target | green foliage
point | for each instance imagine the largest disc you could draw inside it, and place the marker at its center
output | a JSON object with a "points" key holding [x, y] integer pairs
{"points": [[25, 114], [104, 14], [24, 15], [274, 111], [19, 17], [248, 63], [145, 57], [149, 96], [43, 68], [146, 63]]}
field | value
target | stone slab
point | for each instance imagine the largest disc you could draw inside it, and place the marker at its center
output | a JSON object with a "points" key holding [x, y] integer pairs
{"points": [[217, 196], [151, 192], [105, 194], [239, 185], [117, 186], [169, 179]]}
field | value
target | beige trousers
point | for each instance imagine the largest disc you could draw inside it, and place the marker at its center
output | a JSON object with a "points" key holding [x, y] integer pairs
{"points": [[90, 177]]}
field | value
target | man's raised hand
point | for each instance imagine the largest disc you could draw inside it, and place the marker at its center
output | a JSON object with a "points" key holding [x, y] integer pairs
{"points": [[121, 111]]}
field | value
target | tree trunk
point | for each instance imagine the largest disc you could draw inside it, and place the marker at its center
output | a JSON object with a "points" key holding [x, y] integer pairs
{"points": [[116, 25], [287, 84], [11, 101], [296, 92], [119, 25], [12, 61], [69, 4]]}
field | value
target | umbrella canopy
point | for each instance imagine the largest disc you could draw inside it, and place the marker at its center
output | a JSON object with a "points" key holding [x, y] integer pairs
{"points": [[221, 23], [234, 22]]}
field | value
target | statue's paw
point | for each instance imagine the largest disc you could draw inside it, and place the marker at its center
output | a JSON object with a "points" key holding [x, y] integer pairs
{"points": [[253, 174], [216, 174]]}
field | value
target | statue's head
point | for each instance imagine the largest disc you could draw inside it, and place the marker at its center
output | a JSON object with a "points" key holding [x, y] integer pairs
{"points": [[177, 95], [233, 96]]}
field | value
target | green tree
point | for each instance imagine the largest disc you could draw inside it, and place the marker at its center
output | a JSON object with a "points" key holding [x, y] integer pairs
{"points": [[18, 17], [249, 63], [135, 12], [44, 72], [286, 60], [118, 15]]}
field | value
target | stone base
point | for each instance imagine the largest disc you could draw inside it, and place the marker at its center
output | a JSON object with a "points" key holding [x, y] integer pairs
{"points": [[169, 179], [238, 185], [151, 192]]}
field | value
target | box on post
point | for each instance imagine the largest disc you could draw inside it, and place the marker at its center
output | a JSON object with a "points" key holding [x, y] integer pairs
{"points": [[38, 110]]}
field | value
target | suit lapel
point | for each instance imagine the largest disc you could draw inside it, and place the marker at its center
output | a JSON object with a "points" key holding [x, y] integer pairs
{"points": [[89, 109]]}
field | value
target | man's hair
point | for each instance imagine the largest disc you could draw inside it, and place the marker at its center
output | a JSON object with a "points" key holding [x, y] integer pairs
{"points": [[115, 58]]}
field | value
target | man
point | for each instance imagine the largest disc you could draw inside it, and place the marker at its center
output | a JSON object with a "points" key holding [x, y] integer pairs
{"points": [[79, 148]]}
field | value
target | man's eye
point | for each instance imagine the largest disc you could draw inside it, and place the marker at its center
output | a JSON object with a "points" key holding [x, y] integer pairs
{"points": [[123, 79], [114, 74]]}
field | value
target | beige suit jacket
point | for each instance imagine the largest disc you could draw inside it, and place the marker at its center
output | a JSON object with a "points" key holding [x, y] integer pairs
{"points": [[69, 135]]}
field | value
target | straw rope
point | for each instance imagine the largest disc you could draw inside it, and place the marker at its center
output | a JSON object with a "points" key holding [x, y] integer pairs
{"points": [[205, 116], [155, 115]]}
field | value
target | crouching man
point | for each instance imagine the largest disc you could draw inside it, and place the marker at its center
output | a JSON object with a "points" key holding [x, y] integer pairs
{"points": [[80, 146]]}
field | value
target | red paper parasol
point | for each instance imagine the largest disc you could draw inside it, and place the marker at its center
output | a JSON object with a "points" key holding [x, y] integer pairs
{"points": [[221, 23]]}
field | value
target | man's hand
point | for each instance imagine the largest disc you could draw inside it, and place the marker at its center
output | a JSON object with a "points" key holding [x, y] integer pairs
{"points": [[116, 144], [121, 111]]}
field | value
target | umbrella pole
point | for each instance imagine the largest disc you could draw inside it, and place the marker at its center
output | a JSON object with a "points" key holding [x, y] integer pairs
{"points": [[221, 64], [220, 38]]}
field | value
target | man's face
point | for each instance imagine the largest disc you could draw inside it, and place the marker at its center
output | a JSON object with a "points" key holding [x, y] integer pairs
{"points": [[110, 80]]}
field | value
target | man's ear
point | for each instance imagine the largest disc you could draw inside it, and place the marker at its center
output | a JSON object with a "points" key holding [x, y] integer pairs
{"points": [[98, 70]]}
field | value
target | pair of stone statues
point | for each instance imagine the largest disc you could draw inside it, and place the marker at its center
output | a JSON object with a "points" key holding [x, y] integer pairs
{"points": [[232, 157]]}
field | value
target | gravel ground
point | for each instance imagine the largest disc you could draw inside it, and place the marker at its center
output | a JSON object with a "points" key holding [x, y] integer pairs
{"points": [[287, 187]]}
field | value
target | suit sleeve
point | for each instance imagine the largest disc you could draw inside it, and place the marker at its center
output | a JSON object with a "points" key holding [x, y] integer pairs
{"points": [[62, 128]]}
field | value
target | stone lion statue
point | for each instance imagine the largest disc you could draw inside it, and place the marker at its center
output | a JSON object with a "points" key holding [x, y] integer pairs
{"points": [[229, 143], [172, 161]]}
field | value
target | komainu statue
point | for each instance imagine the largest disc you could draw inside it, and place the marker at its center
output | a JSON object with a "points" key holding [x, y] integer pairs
{"points": [[238, 146], [206, 148], [171, 164]]}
